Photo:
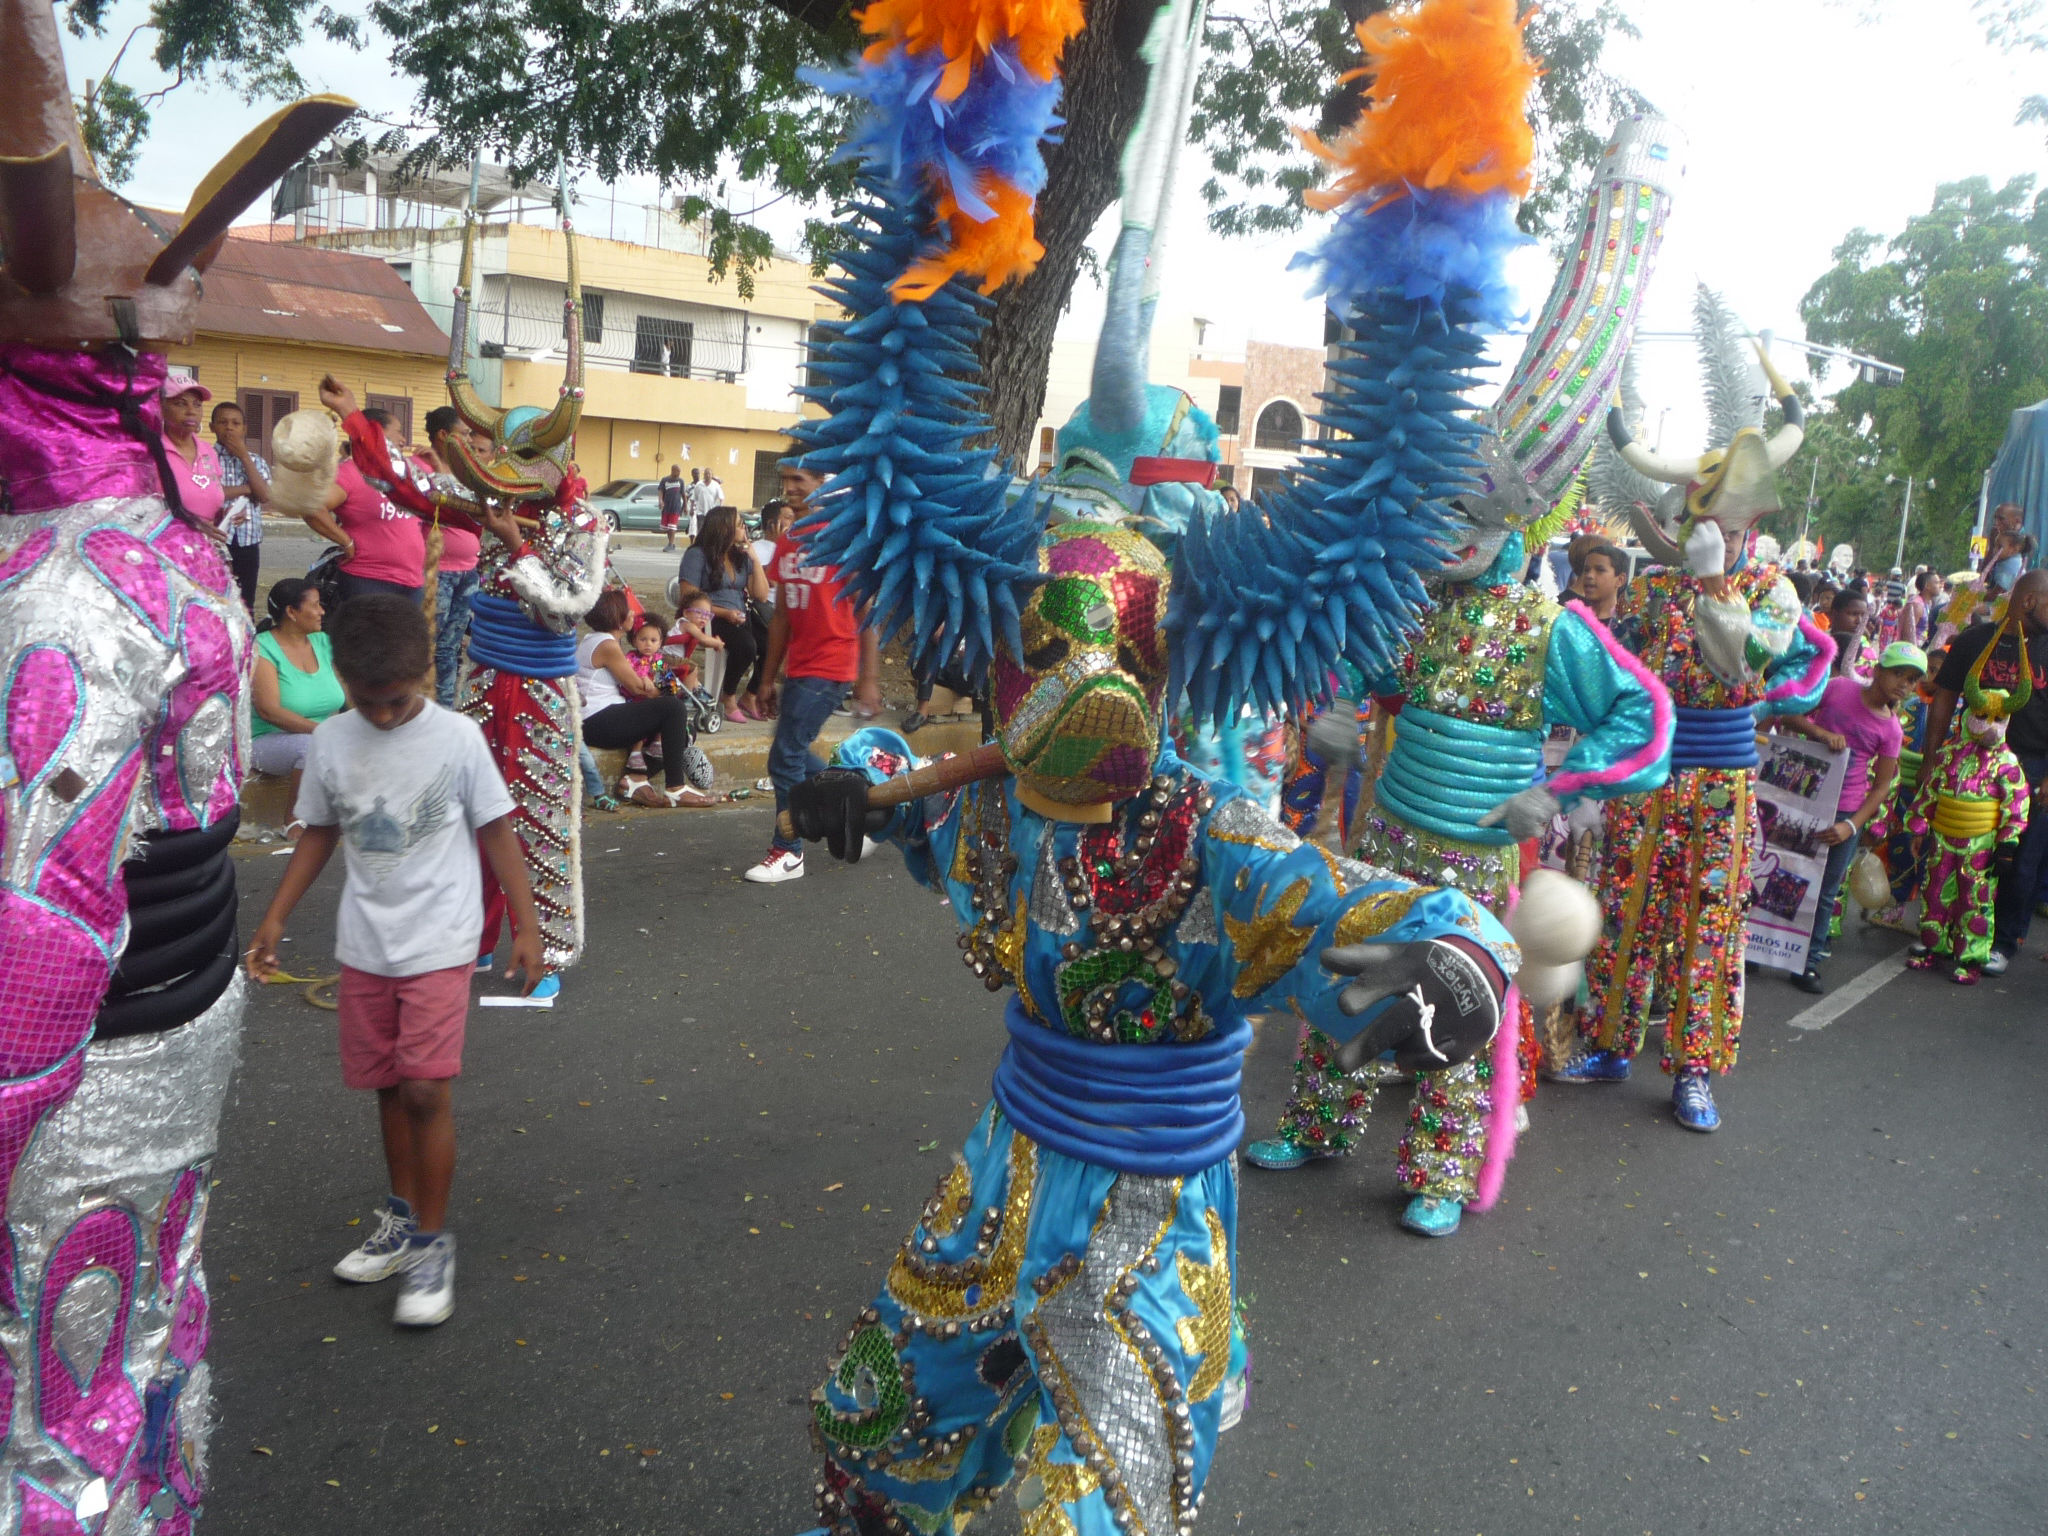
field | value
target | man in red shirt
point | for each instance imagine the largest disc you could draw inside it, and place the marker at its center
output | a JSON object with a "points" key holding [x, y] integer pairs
{"points": [[816, 632]]}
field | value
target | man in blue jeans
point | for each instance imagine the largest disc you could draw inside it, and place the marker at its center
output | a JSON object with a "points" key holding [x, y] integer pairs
{"points": [[457, 571], [817, 635], [2027, 735]]}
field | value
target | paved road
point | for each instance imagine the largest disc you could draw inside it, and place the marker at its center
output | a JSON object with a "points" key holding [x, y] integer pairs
{"points": [[675, 1188]]}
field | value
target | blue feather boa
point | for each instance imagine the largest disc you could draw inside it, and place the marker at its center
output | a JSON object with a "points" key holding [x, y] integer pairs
{"points": [[1424, 246]]}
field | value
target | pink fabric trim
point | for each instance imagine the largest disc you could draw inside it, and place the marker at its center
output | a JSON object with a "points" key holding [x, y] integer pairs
{"points": [[1825, 643], [1661, 721], [1507, 1091]]}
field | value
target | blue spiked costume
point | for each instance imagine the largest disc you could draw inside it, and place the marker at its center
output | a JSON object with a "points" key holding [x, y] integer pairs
{"points": [[1060, 1317], [1496, 665]]}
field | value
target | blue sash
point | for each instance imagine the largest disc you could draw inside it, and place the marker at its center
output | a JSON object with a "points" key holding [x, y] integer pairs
{"points": [[503, 638], [1714, 738]]}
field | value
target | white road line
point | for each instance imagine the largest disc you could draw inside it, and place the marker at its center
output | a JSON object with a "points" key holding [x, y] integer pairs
{"points": [[1830, 1008]]}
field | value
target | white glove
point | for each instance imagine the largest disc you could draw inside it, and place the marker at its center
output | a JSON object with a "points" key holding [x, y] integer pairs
{"points": [[1706, 550], [1527, 815], [1584, 817]]}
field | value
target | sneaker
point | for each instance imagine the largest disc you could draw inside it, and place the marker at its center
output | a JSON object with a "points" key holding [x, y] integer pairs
{"points": [[1432, 1216], [387, 1249], [426, 1296], [1692, 1102], [1997, 962], [1280, 1154], [548, 990], [780, 865], [1521, 1119], [485, 962], [1592, 1067], [914, 722], [1808, 980]]}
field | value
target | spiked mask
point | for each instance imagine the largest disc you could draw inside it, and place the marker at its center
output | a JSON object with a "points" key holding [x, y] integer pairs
{"points": [[1078, 714], [1991, 709]]}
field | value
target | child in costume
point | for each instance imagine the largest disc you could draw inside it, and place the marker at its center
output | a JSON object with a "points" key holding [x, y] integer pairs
{"points": [[1725, 634], [124, 667], [1972, 807], [1495, 666]]}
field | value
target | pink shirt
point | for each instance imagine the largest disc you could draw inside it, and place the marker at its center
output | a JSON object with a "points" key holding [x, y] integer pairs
{"points": [[198, 478], [1870, 735], [390, 545], [459, 547]]}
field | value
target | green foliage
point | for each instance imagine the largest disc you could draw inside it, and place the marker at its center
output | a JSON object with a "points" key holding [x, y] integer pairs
{"points": [[1270, 67], [114, 121], [1959, 299]]}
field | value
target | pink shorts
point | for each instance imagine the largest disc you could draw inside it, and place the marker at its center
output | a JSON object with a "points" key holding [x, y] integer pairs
{"points": [[395, 1027]]}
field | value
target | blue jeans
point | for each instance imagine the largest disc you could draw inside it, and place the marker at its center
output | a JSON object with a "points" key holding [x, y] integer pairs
{"points": [[805, 705], [593, 781], [2016, 896], [451, 628], [1840, 856]]}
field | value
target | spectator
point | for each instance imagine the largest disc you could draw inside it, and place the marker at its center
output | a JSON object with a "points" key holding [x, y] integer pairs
{"points": [[460, 550], [1823, 610], [1921, 606], [621, 708], [195, 467], [1861, 719], [776, 517], [1231, 501], [1846, 618], [931, 679], [695, 504], [294, 686], [383, 549], [713, 492], [1603, 572], [671, 485], [245, 487], [816, 632], [719, 565], [691, 629], [409, 792], [2027, 735]]}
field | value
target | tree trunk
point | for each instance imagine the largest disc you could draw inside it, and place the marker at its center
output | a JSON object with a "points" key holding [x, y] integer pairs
{"points": [[1104, 89]]}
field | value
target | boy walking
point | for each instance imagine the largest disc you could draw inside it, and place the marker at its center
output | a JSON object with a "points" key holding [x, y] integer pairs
{"points": [[409, 792]]}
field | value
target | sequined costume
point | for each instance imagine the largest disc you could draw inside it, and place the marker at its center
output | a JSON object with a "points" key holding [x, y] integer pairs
{"points": [[1061, 1314], [125, 653], [1674, 883], [1973, 797], [1495, 666]]}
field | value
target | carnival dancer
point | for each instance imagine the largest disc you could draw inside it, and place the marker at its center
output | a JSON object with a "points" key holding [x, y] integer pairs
{"points": [[1494, 668], [1972, 805], [125, 650], [538, 575], [1725, 634]]}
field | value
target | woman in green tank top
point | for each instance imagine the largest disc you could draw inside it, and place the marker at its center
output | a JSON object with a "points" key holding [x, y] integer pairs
{"points": [[295, 686]]}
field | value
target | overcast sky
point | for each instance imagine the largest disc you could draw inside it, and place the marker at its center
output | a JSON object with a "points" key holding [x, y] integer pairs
{"points": [[1803, 120]]}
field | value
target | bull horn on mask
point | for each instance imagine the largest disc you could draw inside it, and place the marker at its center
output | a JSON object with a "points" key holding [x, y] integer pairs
{"points": [[1672, 471], [1786, 440]]}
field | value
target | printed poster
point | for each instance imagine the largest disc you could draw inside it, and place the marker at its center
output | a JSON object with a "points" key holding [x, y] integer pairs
{"points": [[1798, 791]]}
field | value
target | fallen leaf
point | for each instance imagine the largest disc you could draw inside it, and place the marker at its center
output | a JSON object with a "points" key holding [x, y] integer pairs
{"points": [[933, 1146], [520, 1342], [1703, 1458], [328, 1340], [433, 1429], [262, 1450], [519, 1277], [333, 1482], [830, 1187], [583, 1103], [462, 1442], [725, 1397], [518, 1130], [755, 1231], [355, 1221]]}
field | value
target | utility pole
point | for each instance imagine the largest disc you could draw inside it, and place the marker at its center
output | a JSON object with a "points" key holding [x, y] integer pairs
{"points": [[1905, 511], [1812, 484]]}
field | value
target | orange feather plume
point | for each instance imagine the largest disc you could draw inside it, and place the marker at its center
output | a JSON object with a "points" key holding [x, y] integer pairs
{"points": [[966, 31], [995, 250], [1450, 83]]}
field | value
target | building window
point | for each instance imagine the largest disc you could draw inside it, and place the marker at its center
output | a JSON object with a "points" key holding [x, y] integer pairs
{"points": [[263, 409], [593, 320], [767, 475], [1229, 402], [662, 345], [1279, 427], [400, 407]]}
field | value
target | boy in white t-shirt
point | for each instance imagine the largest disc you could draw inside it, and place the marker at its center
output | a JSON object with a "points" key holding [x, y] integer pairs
{"points": [[408, 790]]}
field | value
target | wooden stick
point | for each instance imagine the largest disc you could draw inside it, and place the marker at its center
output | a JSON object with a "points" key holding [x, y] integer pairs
{"points": [[984, 762]]}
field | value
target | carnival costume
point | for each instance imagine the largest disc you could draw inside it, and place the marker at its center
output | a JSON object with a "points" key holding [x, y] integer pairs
{"points": [[1724, 633], [1495, 666], [519, 685], [1061, 1315], [1972, 808], [126, 652]]}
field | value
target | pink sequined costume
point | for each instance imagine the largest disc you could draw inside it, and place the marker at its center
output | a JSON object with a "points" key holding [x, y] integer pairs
{"points": [[124, 650]]}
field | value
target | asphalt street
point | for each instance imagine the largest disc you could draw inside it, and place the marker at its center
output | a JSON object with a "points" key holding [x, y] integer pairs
{"points": [[676, 1186]]}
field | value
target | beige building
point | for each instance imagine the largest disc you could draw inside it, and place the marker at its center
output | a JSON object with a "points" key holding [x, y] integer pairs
{"points": [[1260, 399]]}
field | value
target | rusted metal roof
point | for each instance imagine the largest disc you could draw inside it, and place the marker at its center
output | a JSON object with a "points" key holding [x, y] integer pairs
{"points": [[301, 293]]}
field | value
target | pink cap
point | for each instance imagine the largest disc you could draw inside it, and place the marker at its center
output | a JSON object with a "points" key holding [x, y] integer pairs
{"points": [[185, 384]]}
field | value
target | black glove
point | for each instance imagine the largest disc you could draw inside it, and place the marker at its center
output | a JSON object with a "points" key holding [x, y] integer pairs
{"points": [[1446, 1002], [2004, 860], [833, 805]]}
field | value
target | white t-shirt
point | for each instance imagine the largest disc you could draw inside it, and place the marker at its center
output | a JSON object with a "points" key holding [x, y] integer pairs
{"points": [[408, 802], [599, 688], [764, 557]]}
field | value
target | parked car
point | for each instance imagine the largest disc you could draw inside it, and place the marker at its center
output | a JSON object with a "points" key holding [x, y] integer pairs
{"points": [[629, 504]]}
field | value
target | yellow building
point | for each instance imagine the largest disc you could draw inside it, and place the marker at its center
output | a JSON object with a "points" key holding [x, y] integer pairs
{"points": [[274, 317]]}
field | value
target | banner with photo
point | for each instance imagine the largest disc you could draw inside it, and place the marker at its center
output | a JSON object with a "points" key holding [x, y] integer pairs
{"points": [[1798, 790]]}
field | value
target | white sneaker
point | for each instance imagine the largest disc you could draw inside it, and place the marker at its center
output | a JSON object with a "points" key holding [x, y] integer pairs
{"points": [[386, 1251], [426, 1296], [1521, 1118], [777, 867]]}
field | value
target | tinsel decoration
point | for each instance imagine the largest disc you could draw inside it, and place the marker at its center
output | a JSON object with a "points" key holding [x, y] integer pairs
{"points": [[919, 524], [1264, 607]]}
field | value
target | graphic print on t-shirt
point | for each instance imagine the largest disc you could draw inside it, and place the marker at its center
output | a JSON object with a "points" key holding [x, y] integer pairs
{"points": [[382, 837]]}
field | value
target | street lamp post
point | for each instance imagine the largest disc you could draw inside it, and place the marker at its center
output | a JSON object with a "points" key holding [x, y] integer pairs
{"points": [[1905, 512]]}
